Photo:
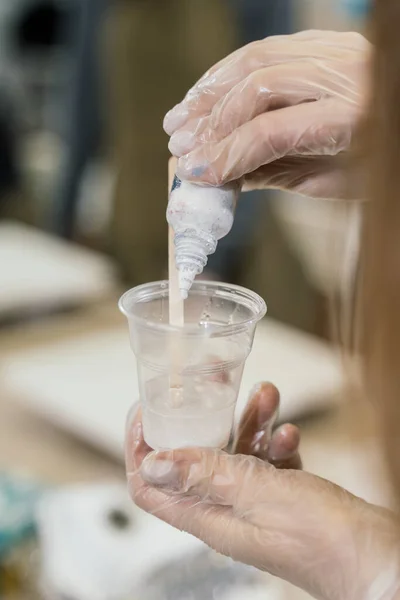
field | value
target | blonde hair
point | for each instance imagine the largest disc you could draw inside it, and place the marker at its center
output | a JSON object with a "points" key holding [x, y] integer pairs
{"points": [[378, 306]]}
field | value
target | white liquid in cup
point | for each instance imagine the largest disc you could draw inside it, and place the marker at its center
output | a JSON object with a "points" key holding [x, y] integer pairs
{"points": [[203, 418]]}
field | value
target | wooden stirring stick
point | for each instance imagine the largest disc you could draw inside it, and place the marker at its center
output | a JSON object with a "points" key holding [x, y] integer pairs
{"points": [[176, 308], [176, 314]]}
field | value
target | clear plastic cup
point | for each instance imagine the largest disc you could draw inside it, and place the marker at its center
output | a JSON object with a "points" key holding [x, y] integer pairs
{"points": [[189, 378]]}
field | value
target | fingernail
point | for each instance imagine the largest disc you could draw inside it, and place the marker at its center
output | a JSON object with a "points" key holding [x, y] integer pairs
{"points": [[260, 443], [160, 472], [255, 390], [277, 456], [181, 142], [174, 119], [264, 426], [290, 438]]}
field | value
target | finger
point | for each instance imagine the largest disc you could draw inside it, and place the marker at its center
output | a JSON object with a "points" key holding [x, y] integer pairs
{"points": [[146, 496], [212, 476], [215, 524], [211, 524], [255, 427], [318, 128], [263, 90], [272, 51], [136, 448], [201, 97], [293, 464], [180, 113], [283, 450]]}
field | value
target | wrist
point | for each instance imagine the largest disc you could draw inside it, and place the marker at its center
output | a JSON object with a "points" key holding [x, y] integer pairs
{"points": [[376, 570], [357, 556]]}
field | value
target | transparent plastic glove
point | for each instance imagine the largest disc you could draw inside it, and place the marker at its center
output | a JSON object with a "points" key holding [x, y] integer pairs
{"points": [[255, 434], [287, 522], [277, 113]]}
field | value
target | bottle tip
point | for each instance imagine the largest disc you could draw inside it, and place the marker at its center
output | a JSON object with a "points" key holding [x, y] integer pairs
{"points": [[186, 278]]}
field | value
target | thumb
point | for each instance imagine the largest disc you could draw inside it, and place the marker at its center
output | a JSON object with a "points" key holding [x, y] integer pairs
{"points": [[212, 476]]}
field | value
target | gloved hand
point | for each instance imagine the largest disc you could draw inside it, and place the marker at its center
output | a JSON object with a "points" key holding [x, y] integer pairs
{"points": [[287, 522], [277, 113], [254, 436]]}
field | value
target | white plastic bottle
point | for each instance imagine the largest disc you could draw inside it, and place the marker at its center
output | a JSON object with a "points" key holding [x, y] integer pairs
{"points": [[199, 216]]}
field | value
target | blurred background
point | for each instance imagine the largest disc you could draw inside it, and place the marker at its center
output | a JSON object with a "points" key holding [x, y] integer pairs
{"points": [[84, 86]]}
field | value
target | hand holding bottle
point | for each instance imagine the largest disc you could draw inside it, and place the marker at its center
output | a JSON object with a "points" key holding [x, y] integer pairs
{"points": [[277, 113]]}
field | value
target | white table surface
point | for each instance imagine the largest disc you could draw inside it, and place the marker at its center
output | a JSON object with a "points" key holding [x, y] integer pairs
{"points": [[39, 271]]}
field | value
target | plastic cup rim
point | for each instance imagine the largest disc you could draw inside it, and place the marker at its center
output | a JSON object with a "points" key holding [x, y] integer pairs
{"points": [[213, 331]]}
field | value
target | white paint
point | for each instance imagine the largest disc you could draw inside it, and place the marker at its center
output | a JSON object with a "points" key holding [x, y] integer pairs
{"points": [[204, 419]]}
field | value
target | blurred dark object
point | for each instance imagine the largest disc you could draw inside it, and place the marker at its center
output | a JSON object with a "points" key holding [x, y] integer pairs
{"points": [[40, 25], [8, 159], [19, 573], [33, 76], [83, 105], [257, 19], [36, 50], [18, 548]]}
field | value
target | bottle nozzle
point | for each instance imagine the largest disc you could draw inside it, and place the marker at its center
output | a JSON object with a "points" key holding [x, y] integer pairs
{"points": [[186, 277], [199, 216]]}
